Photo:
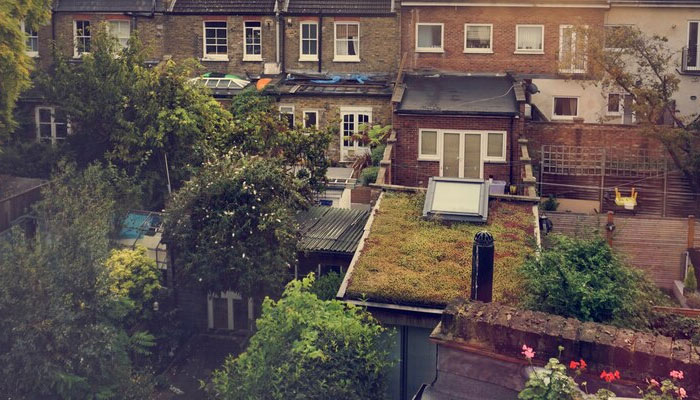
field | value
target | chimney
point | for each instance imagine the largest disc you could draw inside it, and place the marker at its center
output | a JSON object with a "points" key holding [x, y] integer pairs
{"points": [[482, 267]]}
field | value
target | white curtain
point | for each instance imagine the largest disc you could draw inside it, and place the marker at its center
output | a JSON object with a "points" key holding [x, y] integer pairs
{"points": [[529, 38]]}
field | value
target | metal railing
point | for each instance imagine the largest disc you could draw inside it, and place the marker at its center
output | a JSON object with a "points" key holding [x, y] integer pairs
{"points": [[691, 59]]}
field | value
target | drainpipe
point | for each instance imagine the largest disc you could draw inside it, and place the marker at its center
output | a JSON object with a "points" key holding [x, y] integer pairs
{"points": [[277, 34], [283, 67], [510, 164], [320, 42]]}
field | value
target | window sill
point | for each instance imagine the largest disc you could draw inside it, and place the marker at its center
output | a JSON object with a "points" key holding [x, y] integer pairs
{"points": [[564, 117], [308, 59], [252, 58], [223, 59], [32, 54], [474, 51], [527, 52], [499, 161], [424, 158], [430, 50], [341, 59]]}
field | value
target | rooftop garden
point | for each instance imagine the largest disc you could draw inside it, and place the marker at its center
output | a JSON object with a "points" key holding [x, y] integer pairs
{"points": [[412, 261]]}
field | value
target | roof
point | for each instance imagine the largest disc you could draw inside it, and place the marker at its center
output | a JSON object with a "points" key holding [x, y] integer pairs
{"points": [[340, 7], [328, 229], [109, 5], [409, 261], [657, 3], [459, 95], [222, 85], [511, 3], [224, 6], [338, 85], [14, 185]]}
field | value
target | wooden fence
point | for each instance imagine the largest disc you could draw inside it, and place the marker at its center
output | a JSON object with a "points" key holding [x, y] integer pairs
{"points": [[12, 208]]}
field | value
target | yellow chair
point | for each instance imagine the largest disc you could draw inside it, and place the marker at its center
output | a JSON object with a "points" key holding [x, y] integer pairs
{"points": [[627, 202]]}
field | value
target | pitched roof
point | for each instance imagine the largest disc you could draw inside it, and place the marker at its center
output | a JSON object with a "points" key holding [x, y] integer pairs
{"points": [[459, 95], [224, 6], [14, 185], [340, 7], [511, 3], [108, 5], [328, 229]]}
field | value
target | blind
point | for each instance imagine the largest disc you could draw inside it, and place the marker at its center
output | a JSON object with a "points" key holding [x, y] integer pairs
{"points": [[478, 37], [429, 36], [529, 38]]}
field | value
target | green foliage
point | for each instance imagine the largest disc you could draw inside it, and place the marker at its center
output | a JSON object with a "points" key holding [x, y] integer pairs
{"points": [[691, 282], [369, 175], [552, 383], [373, 135], [551, 204], [693, 300], [31, 159], [233, 225], [15, 64], [378, 154], [676, 326], [584, 279], [61, 336], [326, 287], [306, 348]]}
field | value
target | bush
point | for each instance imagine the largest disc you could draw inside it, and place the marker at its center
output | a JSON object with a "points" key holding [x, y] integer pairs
{"points": [[33, 159], [551, 204], [691, 282], [693, 300], [676, 326], [326, 287], [369, 175], [378, 154], [584, 279]]}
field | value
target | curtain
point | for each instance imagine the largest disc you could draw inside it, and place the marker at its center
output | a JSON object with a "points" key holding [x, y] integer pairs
{"points": [[529, 38], [478, 37]]}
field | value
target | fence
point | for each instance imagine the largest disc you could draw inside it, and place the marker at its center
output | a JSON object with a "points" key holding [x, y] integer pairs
{"points": [[14, 207], [593, 173]]}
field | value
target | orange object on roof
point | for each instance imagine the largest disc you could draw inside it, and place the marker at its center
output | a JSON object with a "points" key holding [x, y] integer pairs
{"points": [[260, 85]]}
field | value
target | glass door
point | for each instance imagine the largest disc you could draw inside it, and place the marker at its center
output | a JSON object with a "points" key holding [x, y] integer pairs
{"points": [[461, 155], [450, 155], [472, 155]]}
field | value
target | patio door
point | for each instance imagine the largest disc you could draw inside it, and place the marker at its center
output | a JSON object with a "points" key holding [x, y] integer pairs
{"points": [[352, 120], [461, 155]]}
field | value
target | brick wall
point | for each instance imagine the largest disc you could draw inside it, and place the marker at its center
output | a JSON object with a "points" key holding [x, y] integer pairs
{"points": [[185, 40], [379, 44], [328, 108], [498, 330], [504, 20], [408, 171]]}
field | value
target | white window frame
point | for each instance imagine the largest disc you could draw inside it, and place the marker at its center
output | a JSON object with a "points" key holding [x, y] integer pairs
{"points": [[28, 35], [308, 57], [489, 50], [485, 146], [345, 58], [37, 122], [288, 109], [565, 117], [252, 57], [119, 21], [355, 146], [76, 52], [687, 46], [517, 39], [619, 104], [429, 157], [571, 69], [441, 49], [304, 112], [214, 56], [230, 296]]}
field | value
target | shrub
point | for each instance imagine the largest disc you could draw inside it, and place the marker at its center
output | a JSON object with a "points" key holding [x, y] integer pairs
{"points": [[378, 154], [691, 282], [369, 175], [326, 287], [676, 326], [584, 279], [551, 204], [693, 300]]}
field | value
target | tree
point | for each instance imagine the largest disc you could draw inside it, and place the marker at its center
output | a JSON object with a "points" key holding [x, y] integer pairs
{"points": [[624, 59], [15, 64], [308, 348], [60, 335]]}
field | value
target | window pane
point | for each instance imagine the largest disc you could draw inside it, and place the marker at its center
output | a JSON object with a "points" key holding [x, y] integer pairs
{"points": [[529, 38], [613, 103], [478, 37], [472, 156], [45, 130], [341, 31], [428, 143], [565, 106], [353, 30], [494, 145], [430, 36], [61, 130], [45, 115], [310, 119]]}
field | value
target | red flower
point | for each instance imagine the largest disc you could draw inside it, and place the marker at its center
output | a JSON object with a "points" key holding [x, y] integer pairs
{"points": [[609, 376], [583, 364], [573, 364]]}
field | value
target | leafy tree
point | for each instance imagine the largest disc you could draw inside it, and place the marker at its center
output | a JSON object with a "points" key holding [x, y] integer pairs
{"points": [[308, 348], [585, 279], [15, 64], [326, 286], [60, 336], [644, 67]]}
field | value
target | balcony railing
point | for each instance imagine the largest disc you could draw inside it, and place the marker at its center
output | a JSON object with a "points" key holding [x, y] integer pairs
{"points": [[691, 59]]}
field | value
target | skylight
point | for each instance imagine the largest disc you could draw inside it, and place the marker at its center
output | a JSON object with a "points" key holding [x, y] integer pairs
{"points": [[456, 199]]}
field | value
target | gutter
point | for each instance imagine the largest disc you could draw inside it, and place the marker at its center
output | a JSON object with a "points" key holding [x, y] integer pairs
{"points": [[456, 113]]}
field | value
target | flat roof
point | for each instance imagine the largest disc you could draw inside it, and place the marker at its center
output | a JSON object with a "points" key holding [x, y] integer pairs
{"points": [[109, 6], [409, 261], [334, 84], [459, 95]]}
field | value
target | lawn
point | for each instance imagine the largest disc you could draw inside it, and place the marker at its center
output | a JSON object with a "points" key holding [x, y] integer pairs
{"points": [[411, 261]]}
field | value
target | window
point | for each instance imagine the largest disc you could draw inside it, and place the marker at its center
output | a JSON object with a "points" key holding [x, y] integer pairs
{"points": [[229, 311], [215, 40], [621, 105], [347, 41], [429, 38], [478, 38], [428, 145], [351, 120], [51, 126], [565, 107], [614, 104], [529, 39], [572, 49], [252, 48], [287, 113], [308, 50], [453, 199], [692, 61], [81, 38], [311, 119], [495, 146], [32, 40], [121, 30]]}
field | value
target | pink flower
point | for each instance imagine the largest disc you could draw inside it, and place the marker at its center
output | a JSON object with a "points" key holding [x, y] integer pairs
{"points": [[654, 382], [681, 393], [527, 352], [676, 374]]}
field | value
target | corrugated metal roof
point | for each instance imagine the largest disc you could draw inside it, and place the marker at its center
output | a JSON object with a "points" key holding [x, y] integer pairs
{"points": [[340, 7], [328, 229], [108, 5], [224, 6]]}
